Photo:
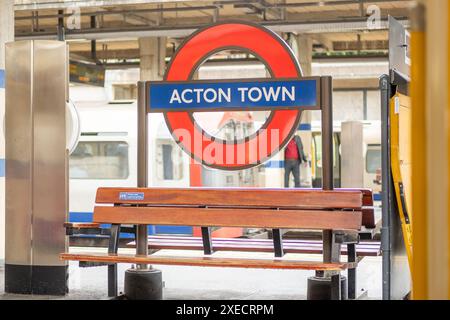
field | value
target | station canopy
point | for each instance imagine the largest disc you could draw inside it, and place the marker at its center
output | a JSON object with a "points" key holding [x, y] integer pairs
{"points": [[338, 28]]}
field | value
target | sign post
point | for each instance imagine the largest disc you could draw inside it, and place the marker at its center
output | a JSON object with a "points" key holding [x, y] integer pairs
{"points": [[286, 94]]}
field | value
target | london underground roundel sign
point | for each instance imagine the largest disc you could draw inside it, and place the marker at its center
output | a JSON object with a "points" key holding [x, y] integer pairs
{"points": [[285, 95]]}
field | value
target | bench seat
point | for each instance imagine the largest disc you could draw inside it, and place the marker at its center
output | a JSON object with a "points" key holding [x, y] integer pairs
{"points": [[210, 262], [363, 249]]}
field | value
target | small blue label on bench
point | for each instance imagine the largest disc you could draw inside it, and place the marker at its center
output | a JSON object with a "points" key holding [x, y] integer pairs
{"points": [[135, 196]]}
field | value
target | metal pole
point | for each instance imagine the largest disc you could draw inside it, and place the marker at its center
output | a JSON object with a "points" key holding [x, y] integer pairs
{"points": [[142, 167], [331, 250], [94, 42], [327, 132], [386, 181], [61, 31]]}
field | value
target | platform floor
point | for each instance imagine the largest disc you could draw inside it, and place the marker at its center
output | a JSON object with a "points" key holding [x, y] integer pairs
{"points": [[195, 283]]}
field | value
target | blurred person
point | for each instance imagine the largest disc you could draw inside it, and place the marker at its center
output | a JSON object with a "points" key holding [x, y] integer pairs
{"points": [[293, 158]]}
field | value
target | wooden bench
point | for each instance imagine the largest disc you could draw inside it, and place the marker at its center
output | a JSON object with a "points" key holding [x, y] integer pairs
{"points": [[339, 210], [308, 246]]}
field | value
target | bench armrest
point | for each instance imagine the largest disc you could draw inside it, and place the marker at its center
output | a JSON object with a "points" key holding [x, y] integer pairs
{"points": [[73, 228], [81, 225]]}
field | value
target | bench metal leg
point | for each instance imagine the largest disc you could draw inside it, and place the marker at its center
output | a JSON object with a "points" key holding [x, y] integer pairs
{"points": [[336, 287], [112, 268], [331, 249], [207, 240], [277, 242], [112, 280], [351, 273]]}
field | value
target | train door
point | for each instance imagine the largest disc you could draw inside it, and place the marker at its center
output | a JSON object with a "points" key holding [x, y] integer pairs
{"points": [[316, 161]]}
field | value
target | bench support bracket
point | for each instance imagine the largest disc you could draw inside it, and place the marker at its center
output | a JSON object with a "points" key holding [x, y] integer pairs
{"points": [[351, 273], [277, 242], [207, 240]]}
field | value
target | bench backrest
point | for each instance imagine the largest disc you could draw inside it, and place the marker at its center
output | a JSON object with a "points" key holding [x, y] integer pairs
{"points": [[216, 207]]}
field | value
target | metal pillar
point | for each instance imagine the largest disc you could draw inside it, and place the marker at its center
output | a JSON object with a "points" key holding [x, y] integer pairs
{"points": [[6, 35], [36, 174], [142, 168], [385, 193]]}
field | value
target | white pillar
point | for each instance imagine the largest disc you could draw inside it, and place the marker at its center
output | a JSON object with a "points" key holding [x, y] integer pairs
{"points": [[352, 163], [6, 35], [304, 49], [152, 57]]}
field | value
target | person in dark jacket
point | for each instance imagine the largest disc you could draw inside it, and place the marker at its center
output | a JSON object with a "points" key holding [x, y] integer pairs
{"points": [[293, 158]]}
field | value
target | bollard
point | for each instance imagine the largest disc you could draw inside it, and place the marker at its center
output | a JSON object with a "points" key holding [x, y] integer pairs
{"points": [[143, 284], [319, 288]]}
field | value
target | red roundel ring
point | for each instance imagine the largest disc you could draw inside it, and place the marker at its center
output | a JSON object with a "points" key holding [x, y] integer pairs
{"points": [[280, 61]]}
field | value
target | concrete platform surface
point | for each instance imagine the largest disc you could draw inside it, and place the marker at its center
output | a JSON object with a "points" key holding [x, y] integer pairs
{"points": [[200, 283]]}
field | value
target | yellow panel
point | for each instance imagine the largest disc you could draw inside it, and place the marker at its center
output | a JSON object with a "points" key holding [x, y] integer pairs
{"points": [[448, 143], [400, 115]]}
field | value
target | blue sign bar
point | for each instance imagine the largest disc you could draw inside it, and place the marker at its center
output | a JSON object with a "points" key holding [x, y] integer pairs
{"points": [[255, 94]]}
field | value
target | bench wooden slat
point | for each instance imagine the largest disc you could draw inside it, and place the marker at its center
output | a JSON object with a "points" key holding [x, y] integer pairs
{"points": [[210, 262], [222, 217], [368, 218], [248, 245], [246, 197], [368, 213], [251, 240]]}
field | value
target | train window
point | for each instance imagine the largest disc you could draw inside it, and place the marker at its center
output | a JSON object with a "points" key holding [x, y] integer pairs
{"points": [[167, 161], [99, 160], [169, 164], [373, 160]]}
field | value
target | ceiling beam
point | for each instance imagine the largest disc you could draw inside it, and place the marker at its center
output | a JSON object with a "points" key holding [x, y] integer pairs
{"points": [[168, 30], [23, 5]]}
